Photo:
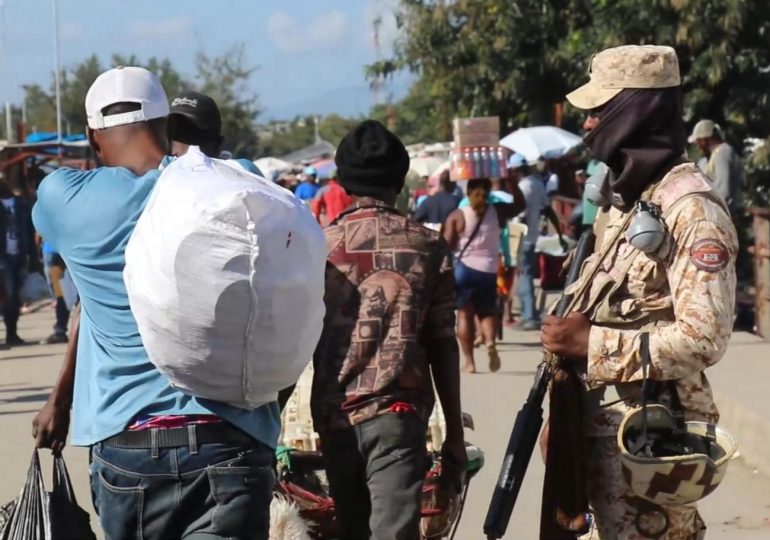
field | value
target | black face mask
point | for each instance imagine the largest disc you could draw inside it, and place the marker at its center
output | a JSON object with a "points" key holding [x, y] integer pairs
{"points": [[640, 136]]}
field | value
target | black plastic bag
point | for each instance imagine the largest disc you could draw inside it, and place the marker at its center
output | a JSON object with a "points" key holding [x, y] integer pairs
{"points": [[68, 520], [38, 515]]}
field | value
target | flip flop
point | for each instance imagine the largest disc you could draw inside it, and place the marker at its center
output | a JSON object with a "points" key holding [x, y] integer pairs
{"points": [[494, 358]]}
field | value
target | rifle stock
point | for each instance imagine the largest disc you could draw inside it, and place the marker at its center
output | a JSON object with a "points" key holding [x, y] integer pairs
{"points": [[529, 420]]}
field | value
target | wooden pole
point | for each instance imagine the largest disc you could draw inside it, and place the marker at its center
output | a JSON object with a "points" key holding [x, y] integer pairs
{"points": [[761, 254]]}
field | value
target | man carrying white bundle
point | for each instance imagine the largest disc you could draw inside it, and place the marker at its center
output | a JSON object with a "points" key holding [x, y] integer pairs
{"points": [[165, 463]]}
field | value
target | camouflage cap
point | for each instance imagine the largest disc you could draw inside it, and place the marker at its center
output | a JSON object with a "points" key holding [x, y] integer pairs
{"points": [[630, 66]]}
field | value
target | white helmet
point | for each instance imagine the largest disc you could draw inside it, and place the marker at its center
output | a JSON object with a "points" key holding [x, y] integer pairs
{"points": [[670, 466]]}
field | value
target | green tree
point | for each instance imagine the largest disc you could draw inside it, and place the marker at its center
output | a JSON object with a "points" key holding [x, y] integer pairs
{"points": [[226, 79], [483, 57], [41, 108], [173, 82], [300, 134], [75, 83], [722, 49], [419, 117], [518, 58], [334, 127]]}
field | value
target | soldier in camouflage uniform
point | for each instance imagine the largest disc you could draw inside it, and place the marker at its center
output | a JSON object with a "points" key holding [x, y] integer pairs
{"points": [[681, 294]]}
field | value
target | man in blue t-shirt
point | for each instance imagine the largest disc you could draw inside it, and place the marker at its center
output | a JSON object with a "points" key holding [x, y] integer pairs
{"points": [[164, 464], [308, 189]]}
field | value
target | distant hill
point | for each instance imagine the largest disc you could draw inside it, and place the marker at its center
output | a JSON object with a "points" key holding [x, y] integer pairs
{"points": [[348, 101]]}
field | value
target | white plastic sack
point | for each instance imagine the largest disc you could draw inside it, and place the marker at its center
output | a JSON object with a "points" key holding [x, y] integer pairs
{"points": [[225, 276]]}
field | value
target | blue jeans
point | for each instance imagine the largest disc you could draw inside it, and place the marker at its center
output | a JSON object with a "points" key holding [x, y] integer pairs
{"points": [[221, 492], [526, 286], [62, 313]]}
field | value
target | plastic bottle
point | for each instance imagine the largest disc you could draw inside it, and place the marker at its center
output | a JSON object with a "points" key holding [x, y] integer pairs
{"points": [[468, 167], [478, 165], [494, 163], [486, 169], [503, 163]]}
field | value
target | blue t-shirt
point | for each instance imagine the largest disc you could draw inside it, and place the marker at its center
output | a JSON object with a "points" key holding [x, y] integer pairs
{"points": [[88, 217], [306, 191]]}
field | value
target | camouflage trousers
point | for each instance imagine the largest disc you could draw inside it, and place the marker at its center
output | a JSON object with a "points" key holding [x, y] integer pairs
{"points": [[616, 508]]}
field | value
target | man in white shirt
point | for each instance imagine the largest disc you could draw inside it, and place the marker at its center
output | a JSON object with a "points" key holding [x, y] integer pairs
{"points": [[722, 163], [538, 203]]}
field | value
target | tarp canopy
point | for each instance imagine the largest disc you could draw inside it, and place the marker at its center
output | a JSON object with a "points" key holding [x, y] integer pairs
{"points": [[43, 136]]}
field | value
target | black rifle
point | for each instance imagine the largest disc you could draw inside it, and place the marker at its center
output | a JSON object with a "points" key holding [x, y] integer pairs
{"points": [[529, 420]]}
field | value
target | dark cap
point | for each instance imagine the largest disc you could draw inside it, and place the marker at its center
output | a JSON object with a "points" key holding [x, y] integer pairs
{"points": [[201, 113], [371, 160]]}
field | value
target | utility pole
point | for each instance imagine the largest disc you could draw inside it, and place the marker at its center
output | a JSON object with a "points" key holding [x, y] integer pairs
{"points": [[58, 71], [8, 122], [378, 83]]}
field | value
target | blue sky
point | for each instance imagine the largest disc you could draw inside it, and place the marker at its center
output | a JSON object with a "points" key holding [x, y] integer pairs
{"points": [[311, 53]]}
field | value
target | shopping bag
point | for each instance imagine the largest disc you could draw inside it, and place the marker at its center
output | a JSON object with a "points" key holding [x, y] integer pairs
{"points": [[28, 515], [38, 515], [68, 520]]}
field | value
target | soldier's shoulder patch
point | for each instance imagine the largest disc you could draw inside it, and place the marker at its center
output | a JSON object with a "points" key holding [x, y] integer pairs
{"points": [[709, 255]]}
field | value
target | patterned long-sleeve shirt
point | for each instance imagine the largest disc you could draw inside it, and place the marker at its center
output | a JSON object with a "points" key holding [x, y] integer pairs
{"points": [[390, 290]]}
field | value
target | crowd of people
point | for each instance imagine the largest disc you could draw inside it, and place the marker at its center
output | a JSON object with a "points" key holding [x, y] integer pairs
{"points": [[406, 298]]}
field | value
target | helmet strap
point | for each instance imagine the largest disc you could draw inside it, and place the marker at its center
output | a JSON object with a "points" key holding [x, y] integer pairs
{"points": [[644, 351]]}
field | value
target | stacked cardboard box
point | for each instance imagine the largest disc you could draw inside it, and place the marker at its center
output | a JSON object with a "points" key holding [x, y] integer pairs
{"points": [[482, 131], [476, 152]]}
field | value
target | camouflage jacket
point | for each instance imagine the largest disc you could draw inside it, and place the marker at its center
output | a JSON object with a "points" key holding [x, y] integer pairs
{"points": [[683, 295]]}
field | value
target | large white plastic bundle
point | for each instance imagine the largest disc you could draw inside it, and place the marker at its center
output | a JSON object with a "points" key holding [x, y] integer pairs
{"points": [[225, 276]]}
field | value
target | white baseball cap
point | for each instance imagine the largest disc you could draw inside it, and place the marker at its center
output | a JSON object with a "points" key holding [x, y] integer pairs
{"points": [[703, 130], [125, 85]]}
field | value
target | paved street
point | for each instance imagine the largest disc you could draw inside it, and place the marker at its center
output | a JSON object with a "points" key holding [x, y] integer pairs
{"points": [[738, 510]]}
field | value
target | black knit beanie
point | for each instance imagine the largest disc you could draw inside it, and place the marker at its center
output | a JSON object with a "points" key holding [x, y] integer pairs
{"points": [[371, 160]]}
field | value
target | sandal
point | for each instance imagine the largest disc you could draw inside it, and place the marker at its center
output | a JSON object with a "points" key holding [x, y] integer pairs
{"points": [[494, 358]]}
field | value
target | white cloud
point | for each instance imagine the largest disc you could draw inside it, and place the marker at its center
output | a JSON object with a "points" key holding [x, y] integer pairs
{"points": [[174, 28], [327, 31]]}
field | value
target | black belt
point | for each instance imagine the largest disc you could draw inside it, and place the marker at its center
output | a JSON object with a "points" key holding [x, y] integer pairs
{"points": [[192, 435]]}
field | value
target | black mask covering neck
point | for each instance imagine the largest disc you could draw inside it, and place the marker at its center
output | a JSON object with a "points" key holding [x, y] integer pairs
{"points": [[640, 136]]}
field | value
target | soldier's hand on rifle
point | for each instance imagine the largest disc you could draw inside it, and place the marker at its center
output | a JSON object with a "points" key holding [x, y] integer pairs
{"points": [[568, 337]]}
